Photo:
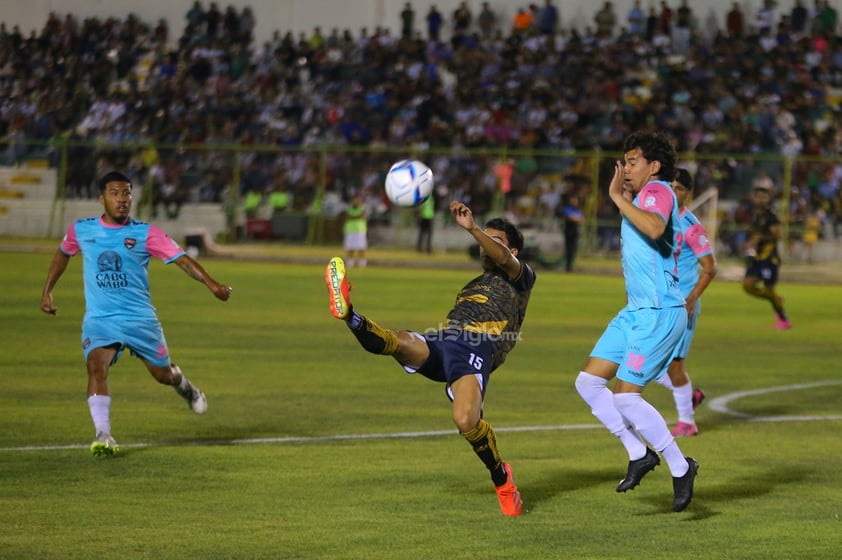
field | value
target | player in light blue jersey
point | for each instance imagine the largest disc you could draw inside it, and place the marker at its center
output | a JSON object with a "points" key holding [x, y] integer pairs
{"points": [[696, 270], [119, 313], [639, 342]]}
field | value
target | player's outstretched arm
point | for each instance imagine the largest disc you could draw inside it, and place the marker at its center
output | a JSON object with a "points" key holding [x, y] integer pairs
{"points": [[495, 250], [57, 268], [196, 271]]}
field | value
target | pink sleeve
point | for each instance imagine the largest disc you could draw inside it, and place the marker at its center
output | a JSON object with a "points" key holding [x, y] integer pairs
{"points": [[696, 238], [160, 245], [70, 244], [658, 198]]}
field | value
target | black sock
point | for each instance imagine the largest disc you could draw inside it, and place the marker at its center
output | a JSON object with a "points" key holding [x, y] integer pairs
{"points": [[372, 336], [484, 442]]}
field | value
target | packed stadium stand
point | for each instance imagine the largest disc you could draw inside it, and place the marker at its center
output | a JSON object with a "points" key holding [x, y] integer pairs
{"points": [[205, 114]]}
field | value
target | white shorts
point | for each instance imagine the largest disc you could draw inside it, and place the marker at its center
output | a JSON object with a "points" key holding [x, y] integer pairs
{"points": [[355, 242]]}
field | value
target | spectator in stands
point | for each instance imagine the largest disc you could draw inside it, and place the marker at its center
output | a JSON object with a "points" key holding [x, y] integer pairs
{"points": [[827, 20], [522, 21], [665, 19], [548, 19], [605, 20], [167, 190], [765, 20], [407, 21], [735, 22], [652, 24], [683, 31], [487, 21], [462, 19], [434, 23], [798, 18], [636, 20]]}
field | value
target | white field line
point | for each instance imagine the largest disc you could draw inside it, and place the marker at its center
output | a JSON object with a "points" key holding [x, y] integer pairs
{"points": [[718, 404]]}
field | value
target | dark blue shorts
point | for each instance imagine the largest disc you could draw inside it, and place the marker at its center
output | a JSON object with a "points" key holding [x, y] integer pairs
{"points": [[455, 354]]}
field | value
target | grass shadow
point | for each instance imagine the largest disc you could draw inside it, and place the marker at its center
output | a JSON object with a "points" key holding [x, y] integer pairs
{"points": [[564, 480]]}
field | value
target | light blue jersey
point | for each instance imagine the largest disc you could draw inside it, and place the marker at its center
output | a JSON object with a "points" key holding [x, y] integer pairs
{"points": [[650, 266], [694, 245], [116, 264], [119, 310]]}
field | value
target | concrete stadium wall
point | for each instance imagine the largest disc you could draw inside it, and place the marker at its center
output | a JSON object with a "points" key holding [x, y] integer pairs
{"points": [[28, 208], [304, 15], [44, 219]]}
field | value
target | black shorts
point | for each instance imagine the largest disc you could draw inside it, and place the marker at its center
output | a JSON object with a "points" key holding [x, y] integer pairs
{"points": [[766, 270]]}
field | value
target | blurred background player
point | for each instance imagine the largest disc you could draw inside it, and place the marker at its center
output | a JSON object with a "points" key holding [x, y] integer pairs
{"points": [[639, 342], [426, 213], [696, 270], [481, 329], [572, 219], [761, 251], [355, 231], [118, 306]]}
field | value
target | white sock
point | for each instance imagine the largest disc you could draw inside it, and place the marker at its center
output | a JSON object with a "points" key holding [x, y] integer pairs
{"points": [[652, 426], [593, 391], [683, 397], [100, 406], [675, 459], [665, 381]]}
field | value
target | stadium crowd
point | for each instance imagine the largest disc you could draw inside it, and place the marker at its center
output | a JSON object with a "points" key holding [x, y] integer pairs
{"points": [[752, 85]]}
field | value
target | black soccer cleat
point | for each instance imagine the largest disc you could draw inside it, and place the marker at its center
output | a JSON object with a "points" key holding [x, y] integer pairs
{"points": [[638, 469], [683, 486]]}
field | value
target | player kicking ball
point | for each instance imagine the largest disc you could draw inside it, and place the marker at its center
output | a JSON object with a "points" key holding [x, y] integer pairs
{"points": [[480, 331]]}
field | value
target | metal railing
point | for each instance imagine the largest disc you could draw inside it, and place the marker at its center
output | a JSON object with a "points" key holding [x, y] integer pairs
{"points": [[316, 177]]}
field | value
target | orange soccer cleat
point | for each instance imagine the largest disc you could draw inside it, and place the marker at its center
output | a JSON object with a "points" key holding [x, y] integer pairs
{"points": [[338, 287], [509, 496]]}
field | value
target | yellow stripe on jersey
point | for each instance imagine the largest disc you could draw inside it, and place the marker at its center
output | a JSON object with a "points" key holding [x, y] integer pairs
{"points": [[487, 327], [476, 298]]}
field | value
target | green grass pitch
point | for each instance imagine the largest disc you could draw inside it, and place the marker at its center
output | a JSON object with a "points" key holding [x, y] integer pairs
{"points": [[314, 449]]}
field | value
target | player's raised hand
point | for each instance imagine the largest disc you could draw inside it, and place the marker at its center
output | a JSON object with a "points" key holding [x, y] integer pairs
{"points": [[615, 189], [462, 214]]}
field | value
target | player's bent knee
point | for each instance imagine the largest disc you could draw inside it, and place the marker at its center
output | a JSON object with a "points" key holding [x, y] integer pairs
{"points": [[465, 420], [586, 383]]}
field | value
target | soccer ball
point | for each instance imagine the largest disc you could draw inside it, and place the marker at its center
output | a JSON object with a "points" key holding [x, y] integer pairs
{"points": [[409, 183]]}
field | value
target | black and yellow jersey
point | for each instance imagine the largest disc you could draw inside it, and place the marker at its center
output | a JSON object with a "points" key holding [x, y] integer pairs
{"points": [[767, 242], [494, 306]]}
